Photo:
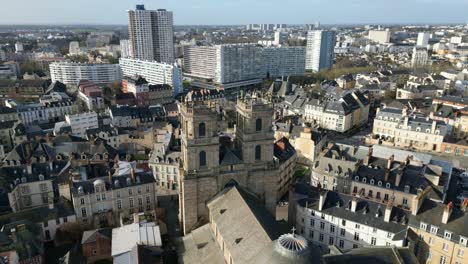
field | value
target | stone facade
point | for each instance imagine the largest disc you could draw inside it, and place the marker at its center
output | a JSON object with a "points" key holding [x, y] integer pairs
{"points": [[207, 166]]}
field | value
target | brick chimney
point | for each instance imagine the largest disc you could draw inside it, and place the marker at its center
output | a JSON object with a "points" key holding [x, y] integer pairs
{"points": [[368, 157], [388, 212], [387, 174], [447, 213], [354, 205], [132, 174], [398, 178]]}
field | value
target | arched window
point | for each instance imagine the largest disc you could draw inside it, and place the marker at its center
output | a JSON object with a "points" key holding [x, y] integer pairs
{"points": [[258, 124], [258, 152], [201, 130], [202, 157]]}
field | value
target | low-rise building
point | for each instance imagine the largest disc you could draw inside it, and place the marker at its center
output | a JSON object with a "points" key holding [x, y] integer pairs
{"points": [[90, 95], [339, 110], [329, 218], [96, 244], [165, 166], [106, 200], [393, 126]]}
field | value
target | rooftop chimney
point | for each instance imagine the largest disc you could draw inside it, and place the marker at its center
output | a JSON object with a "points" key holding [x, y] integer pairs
{"points": [[447, 213], [388, 212], [354, 205], [434, 125], [132, 173], [398, 178], [323, 196], [387, 174], [389, 161]]}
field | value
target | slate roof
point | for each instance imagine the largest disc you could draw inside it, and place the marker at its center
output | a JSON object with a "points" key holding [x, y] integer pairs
{"points": [[118, 182], [375, 254], [431, 213], [90, 236], [368, 212], [283, 150]]}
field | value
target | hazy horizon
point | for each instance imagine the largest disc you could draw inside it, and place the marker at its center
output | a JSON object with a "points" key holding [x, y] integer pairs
{"points": [[240, 12]]}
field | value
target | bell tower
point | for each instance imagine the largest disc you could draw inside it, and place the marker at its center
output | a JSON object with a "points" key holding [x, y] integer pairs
{"points": [[254, 131], [199, 158]]}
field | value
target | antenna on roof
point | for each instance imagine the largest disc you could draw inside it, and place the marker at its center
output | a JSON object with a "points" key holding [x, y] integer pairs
{"points": [[293, 230]]}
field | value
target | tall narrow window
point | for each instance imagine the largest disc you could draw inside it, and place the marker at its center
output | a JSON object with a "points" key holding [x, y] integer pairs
{"points": [[258, 124], [201, 130], [258, 152], [202, 157]]}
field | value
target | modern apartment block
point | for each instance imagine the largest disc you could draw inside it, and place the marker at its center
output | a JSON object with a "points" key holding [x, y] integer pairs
{"points": [[151, 34], [423, 39], [71, 73], [420, 57], [224, 66], [319, 50], [154, 72], [230, 66], [284, 61], [380, 36]]}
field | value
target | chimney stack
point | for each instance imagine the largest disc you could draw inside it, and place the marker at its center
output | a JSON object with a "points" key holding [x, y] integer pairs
{"points": [[398, 178], [323, 196], [368, 157], [110, 176], [390, 161], [387, 175], [388, 212], [354, 205], [132, 173], [447, 213], [433, 129]]}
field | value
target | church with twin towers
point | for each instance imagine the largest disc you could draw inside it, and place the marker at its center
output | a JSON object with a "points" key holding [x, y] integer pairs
{"points": [[210, 160]]}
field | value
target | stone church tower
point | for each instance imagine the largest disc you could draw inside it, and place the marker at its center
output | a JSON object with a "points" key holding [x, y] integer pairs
{"points": [[207, 166]]}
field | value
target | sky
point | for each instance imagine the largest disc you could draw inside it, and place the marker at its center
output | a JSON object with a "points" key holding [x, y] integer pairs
{"points": [[236, 12]]}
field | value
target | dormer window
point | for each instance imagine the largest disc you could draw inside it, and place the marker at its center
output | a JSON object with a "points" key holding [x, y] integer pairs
{"points": [[372, 181], [423, 226], [379, 183], [437, 132], [407, 188], [356, 178], [447, 235], [463, 241], [428, 130], [434, 229], [364, 180], [388, 185]]}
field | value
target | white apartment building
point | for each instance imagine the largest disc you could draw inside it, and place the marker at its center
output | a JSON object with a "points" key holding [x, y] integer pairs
{"points": [[151, 34], [420, 57], [380, 36], [319, 50], [228, 66], [71, 73], [284, 61], [125, 48], [74, 48], [154, 72], [423, 39], [330, 218], [79, 123], [46, 111]]}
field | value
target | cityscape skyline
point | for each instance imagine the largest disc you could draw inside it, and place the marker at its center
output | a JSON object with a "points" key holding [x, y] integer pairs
{"points": [[208, 12]]}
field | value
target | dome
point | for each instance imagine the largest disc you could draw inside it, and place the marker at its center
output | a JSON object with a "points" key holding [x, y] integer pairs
{"points": [[289, 248], [292, 244]]}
